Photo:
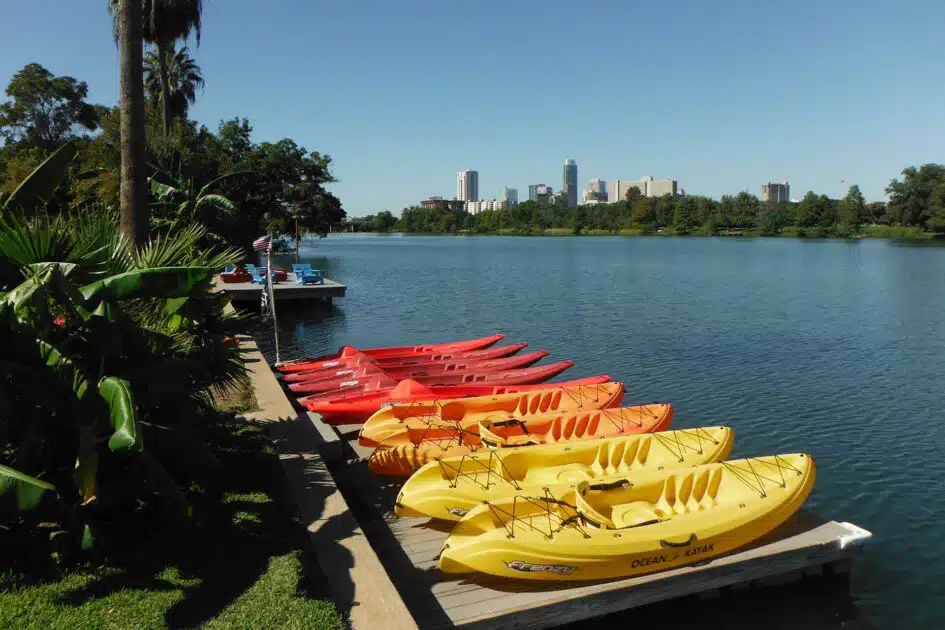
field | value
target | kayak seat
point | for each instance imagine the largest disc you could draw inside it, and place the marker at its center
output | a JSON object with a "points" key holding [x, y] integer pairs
{"points": [[571, 473], [635, 514], [588, 513], [489, 438]]}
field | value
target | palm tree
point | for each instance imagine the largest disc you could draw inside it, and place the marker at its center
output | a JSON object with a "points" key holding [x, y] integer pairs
{"points": [[164, 22], [134, 222], [184, 78]]}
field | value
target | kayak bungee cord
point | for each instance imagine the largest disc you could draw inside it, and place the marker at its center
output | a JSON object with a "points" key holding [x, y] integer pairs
{"points": [[700, 434], [744, 477]]}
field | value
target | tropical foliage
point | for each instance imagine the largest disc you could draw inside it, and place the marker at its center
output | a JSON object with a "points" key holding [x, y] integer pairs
{"points": [[110, 355], [183, 78]]}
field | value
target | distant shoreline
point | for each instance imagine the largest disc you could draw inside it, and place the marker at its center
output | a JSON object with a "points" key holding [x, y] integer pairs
{"points": [[879, 231]]}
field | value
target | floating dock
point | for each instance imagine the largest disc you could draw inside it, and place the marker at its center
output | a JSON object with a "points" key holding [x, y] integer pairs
{"points": [[408, 549], [284, 291]]}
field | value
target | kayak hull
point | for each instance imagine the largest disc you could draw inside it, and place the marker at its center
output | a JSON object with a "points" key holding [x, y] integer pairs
{"points": [[393, 352], [357, 382], [359, 359], [404, 453], [355, 409], [423, 369], [678, 518], [557, 398], [451, 487]]}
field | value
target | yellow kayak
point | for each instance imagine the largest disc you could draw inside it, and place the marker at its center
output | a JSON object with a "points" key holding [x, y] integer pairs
{"points": [[449, 488], [680, 517], [398, 418]]}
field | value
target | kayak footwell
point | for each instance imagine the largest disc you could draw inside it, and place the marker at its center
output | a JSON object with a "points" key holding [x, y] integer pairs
{"points": [[409, 547]]}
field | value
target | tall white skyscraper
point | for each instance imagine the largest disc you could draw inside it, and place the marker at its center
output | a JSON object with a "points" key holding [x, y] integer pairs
{"points": [[467, 185]]}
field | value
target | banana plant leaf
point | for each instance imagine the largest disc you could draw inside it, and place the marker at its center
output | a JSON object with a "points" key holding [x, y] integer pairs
{"points": [[29, 300], [161, 282], [29, 491], [121, 405], [39, 186]]}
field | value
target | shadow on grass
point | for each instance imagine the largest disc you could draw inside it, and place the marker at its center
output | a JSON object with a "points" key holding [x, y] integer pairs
{"points": [[214, 566]]}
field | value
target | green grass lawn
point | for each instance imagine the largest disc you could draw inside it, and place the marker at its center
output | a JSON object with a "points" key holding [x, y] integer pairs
{"points": [[246, 571]]}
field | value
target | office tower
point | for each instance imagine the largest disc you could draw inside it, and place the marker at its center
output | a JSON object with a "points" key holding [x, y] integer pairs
{"points": [[778, 193], [467, 185], [536, 191], [595, 191], [570, 182], [511, 197]]}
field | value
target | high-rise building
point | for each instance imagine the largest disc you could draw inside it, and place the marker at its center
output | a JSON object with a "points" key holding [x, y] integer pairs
{"points": [[660, 187], [595, 191], [467, 185], [511, 197], [570, 182], [778, 193], [539, 193], [617, 189], [533, 191]]}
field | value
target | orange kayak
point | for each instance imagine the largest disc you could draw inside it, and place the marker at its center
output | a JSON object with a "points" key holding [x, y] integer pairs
{"points": [[420, 369], [407, 451], [356, 408], [561, 399], [392, 352]]}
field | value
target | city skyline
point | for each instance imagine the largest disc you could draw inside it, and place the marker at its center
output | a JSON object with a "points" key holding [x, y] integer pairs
{"points": [[735, 136]]}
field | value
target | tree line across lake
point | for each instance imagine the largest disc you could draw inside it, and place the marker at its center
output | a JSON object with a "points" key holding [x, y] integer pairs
{"points": [[916, 208]]}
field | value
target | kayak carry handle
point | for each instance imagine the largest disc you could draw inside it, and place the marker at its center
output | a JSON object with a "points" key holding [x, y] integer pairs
{"points": [[511, 421], [613, 485], [666, 543]]}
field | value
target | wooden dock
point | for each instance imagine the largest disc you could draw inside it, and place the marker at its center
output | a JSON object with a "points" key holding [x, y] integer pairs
{"points": [[284, 291], [408, 548]]}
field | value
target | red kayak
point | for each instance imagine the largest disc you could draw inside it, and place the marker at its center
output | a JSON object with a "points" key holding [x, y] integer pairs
{"points": [[356, 408], [360, 359], [421, 369], [388, 353], [374, 382]]}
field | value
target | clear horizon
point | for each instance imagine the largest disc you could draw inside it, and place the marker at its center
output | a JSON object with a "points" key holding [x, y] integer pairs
{"points": [[722, 98]]}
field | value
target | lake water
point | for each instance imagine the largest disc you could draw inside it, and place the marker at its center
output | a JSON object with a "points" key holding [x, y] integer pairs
{"points": [[834, 348]]}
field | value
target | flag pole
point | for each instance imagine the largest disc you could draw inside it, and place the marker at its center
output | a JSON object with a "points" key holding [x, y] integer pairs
{"points": [[272, 296]]}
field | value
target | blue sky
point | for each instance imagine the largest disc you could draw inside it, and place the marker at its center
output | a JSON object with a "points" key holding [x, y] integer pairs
{"points": [[721, 96]]}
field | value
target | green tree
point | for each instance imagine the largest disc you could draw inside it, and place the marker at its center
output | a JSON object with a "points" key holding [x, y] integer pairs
{"points": [[910, 199], [632, 195], [184, 78], [745, 210], [644, 215], [384, 221], [684, 217], [852, 211], [664, 209], [44, 110], [936, 221]]}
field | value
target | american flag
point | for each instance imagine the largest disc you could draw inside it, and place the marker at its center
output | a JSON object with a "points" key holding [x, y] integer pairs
{"points": [[263, 244]]}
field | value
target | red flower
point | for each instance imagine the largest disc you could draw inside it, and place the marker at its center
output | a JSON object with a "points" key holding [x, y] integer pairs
{"points": [[60, 321]]}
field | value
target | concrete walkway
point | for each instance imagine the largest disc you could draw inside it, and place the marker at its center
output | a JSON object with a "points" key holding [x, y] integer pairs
{"points": [[356, 578]]}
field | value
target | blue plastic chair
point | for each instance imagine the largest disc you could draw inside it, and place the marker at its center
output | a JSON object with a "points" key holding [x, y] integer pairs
{"points": [[313, 276], [300, 270]]}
